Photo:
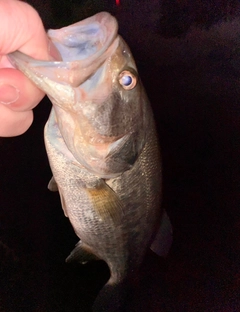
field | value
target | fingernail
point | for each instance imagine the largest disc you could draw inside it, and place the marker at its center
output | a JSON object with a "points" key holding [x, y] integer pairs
{"points": [[53, 52], [8, 94]]}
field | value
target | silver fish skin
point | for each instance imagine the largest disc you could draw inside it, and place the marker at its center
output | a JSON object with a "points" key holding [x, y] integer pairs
{"points": [[102, 147]]}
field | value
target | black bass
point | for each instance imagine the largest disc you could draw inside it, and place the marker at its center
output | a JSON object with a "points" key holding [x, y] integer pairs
{"points": [[103, 149]]}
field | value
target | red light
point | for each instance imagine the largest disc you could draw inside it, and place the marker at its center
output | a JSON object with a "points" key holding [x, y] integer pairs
{"points": [[117, 2]]}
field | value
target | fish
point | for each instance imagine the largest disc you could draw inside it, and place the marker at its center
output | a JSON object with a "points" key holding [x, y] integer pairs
{"points": [[103, 150]]}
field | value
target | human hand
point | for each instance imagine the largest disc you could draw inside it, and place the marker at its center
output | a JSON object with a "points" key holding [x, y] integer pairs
{"points": [[21, 29]]}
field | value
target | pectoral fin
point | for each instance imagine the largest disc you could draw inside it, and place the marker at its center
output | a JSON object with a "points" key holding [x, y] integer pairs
{"points": [[81, 253], [106, 202]]}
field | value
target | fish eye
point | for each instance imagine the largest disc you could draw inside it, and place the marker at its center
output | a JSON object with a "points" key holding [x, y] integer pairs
{"points": [[127, 80]]}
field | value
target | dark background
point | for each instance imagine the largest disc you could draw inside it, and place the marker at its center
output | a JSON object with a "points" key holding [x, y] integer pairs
{"points": [[188, 55]]}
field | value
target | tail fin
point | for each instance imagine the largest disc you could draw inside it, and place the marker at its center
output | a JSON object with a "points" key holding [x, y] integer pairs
{"points": [[112, 298]]}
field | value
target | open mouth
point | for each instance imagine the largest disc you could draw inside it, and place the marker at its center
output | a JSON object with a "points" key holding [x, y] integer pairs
{"points": [[83, 46]]}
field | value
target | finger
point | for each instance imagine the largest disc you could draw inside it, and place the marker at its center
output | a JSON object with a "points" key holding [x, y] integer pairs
{"points": [[17, 92], [14, 123], [25, 31]]}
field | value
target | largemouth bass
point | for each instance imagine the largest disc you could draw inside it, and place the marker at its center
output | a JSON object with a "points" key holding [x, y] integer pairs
{"points": [[103, 149]]}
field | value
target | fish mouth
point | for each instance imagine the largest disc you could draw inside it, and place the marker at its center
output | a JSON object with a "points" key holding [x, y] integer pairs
{"points": [[83, 46], [87, 39]]}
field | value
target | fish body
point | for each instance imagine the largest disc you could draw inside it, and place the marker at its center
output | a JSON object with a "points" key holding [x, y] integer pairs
{"points": [[102, 147]]}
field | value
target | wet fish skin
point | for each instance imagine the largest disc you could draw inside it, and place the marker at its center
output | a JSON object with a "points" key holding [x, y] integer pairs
{"points": [[102, 147]]}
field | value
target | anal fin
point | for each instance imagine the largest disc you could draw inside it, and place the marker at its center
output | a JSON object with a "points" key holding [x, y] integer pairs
{"points": [[81, 253], [164, 237]]}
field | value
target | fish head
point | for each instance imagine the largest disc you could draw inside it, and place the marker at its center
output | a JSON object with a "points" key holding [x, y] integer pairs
{"points": [[100, 105]]}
